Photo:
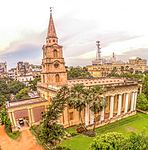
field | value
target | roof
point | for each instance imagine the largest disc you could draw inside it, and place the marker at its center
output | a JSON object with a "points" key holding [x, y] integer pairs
{"points": [[12, 104], [101, 81]]}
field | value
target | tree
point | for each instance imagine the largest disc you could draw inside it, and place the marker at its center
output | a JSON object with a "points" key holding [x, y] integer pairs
{"points": [[145, 86], [109, 141], [33, 84], [142, 102], [50, 132], [22, 94], [78, 99], [15, 86], [78, 73], [96, 102], [137, 141], [2, 101]]}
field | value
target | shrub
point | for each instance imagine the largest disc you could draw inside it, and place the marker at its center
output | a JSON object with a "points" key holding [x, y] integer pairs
{"points": [[80, 129], [109, 141]]}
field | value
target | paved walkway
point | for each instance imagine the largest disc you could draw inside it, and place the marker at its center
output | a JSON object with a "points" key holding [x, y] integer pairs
{"points": [[25, 142]]}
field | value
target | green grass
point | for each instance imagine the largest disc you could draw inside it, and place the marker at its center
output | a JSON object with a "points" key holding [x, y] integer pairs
{"points": [[136, 123]]}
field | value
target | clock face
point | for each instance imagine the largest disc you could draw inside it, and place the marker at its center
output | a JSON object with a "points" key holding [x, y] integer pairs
{"points": [[56, 65]]}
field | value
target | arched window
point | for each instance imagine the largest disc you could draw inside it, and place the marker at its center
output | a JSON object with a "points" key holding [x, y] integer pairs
{"points": [[57, 78], [55, 53], [43, 79]]}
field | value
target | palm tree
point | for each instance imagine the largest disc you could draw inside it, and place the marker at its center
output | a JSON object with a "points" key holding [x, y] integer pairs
{"points": [[96, 102], [78, 99]]}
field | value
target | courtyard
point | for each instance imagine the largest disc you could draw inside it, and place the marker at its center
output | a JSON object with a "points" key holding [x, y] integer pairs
{"points": [[137, 123], [25, 142]]}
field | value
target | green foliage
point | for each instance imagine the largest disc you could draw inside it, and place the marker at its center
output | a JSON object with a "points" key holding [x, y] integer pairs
{"points": [[109, 141], [22, 94], [77, 98], [6, 121], [78, 73], [145, 86], [118, 141], [137, 141], [3, 117], [50, 132], [8, 87], [2, 101], [14, 135], [33, 84], [127, 75], [15, 86], [142, 102], [96, 103]]}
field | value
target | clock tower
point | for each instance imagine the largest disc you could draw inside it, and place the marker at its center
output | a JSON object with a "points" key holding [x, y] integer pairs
{"points": [[53, 65]]}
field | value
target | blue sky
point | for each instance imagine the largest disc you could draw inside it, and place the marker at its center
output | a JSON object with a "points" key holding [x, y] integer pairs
{"points": [[120, 25]]}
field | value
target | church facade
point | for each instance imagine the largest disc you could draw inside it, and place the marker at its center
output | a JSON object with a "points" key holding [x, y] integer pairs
{"points": [[121, 94]]}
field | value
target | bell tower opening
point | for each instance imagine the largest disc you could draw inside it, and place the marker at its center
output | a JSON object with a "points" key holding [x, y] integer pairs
{"points": [[57, 78], [55, 53]]}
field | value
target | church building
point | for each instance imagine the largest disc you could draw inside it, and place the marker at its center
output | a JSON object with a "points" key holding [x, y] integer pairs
{"points": [[121, 94]]}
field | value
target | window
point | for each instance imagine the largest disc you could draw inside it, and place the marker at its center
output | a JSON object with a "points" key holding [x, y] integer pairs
{"points": [[71, 116], [57, 78], [55, 53], [43, 79], [56, 65]]}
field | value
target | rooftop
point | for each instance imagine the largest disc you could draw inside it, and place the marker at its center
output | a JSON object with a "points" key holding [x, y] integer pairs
{"points": [[102, 81], [11, 104]]}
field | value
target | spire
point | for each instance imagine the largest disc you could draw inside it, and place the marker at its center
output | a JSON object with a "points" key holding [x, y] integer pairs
{"points": [[51, 28]]}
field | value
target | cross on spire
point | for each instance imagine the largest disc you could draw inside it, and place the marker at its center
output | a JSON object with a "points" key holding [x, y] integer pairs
{"points": [[51, 10]]}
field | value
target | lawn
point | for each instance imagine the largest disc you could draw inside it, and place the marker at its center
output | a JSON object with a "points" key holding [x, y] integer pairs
{"points": [[136, 123]]}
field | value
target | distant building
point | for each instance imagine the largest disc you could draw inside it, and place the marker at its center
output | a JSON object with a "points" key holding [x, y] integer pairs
{"points": [[22, 68], [3, 69], [25, 79], [26, 72], [112, 65], [12, 73], [138, 61]]}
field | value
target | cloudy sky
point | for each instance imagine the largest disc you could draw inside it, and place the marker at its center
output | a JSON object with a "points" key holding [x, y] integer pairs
{"points": [[120, 25]]}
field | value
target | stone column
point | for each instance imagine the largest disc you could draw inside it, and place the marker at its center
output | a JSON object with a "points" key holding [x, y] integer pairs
{"points": [[29, 115], [126, 103], [119, 104], [87, 115], [13, 118], [111, 107], [102, 115], [135, 100], [32, 116]]}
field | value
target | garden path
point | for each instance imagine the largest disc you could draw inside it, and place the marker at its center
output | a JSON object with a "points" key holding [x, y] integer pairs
{"points": [[25, 142]]}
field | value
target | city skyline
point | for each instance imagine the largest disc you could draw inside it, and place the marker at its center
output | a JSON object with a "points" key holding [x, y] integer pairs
{"points": [[121, 28]]}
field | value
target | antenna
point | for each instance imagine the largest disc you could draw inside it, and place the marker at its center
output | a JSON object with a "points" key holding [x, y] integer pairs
{"points": [[98, 55]]}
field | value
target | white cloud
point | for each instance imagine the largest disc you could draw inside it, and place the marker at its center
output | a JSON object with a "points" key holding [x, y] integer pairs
{"points": [[23, 18]]}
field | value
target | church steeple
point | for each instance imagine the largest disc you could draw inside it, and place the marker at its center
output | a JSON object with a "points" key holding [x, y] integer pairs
{"points": [[53, 65], [51, 28]]}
